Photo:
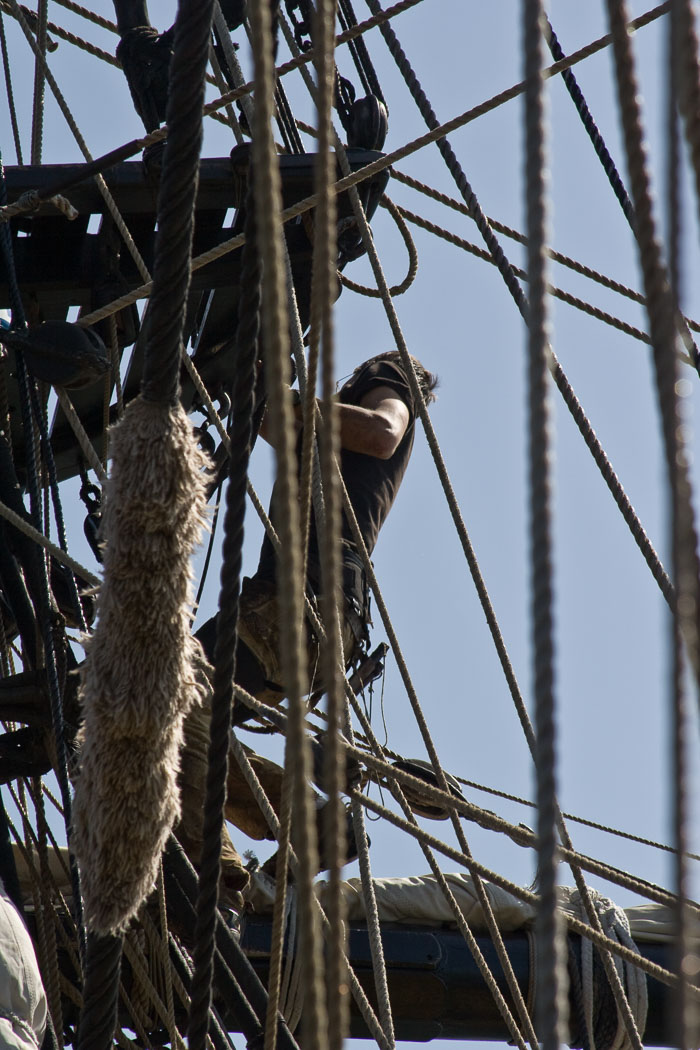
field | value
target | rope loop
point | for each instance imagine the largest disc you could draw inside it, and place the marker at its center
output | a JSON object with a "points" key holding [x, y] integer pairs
{"points": [[397, 289]]}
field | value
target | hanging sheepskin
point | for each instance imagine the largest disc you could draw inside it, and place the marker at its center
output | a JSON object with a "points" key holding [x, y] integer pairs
{"points": [[140, 676]]}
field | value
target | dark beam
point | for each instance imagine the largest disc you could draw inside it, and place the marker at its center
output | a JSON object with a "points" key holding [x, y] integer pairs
{"points": [[436, 988]]}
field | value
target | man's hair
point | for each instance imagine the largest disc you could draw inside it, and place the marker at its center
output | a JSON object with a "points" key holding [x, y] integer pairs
{"points": [[427, 381]]}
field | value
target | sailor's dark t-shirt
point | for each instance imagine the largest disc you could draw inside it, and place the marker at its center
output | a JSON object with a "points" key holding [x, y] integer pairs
{"points": [[372, 483]]}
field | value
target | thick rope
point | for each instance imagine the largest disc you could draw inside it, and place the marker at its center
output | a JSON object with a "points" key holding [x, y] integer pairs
{"points": [[688, 74], [323, 298], [564, 387], [551, 1013], [176, 199], [224, 653], [367, 884], [660, 308], [374, 932], [681, 730], [166, 510], [612, 976], [276, 343], [98, 1016]]}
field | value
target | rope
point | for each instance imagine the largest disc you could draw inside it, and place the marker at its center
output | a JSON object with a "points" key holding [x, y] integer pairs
{"points": [[500, 227], [139, 963], [161, 942], [263, 802], [551, 1002], [57, 506], [458, 916], [176, 200], [38, 566], [395, 327], [398, 289], [10, 94], [366, 882], [90, 16], [608, 165], [322, 332], [569, 816], [224, 654], [566, 297], [39, 85], [688, 72], [78, 429], [367, 885], [98, 1016], [661, 320], [680, 721], [684, 535], [615, 924], [364, 66], [562, 383], [63, 105], [222, 1039], [376, 948], [575, 925], [43, 910], [275, 343], [279, 914], [509, 277], [590, 125], [159, 135], [55, 551]]}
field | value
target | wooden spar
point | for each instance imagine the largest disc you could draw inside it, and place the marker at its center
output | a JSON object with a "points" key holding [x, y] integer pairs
{"points": [[437, 991]]}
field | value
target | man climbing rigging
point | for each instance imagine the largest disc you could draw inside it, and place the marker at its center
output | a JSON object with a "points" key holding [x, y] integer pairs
{"points": [[377, 414]]}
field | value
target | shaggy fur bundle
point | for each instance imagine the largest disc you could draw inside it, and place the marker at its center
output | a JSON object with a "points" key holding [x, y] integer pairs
{"points": [[139, 679]]}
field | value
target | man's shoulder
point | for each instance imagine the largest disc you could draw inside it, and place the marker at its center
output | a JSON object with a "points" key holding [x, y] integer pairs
{"points": [[376, 374]]}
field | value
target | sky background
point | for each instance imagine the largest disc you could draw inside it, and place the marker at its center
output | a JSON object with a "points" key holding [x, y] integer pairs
{"points": [[612, 658]]}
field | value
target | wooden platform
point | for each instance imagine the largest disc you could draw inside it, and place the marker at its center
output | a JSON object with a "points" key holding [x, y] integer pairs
{"points": [[84, 263]]}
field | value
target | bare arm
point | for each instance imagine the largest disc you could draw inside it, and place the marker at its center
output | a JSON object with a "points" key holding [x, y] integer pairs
{"points": [[375, 427]]}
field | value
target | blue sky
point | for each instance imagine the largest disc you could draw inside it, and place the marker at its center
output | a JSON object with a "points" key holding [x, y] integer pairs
{"points": [[612, 662]]}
